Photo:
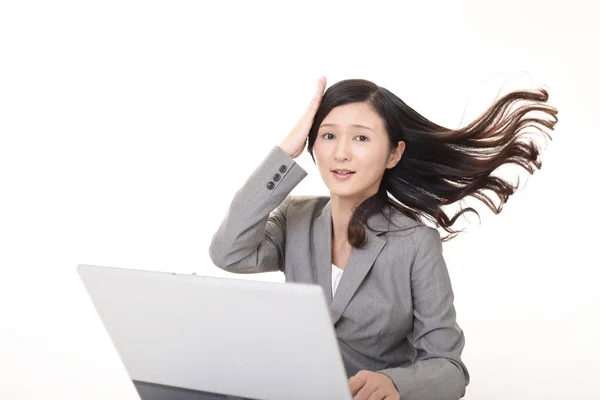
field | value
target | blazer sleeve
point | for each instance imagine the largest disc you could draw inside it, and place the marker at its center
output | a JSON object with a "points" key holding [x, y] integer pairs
{"points": [[251, 237], [438, 372]]}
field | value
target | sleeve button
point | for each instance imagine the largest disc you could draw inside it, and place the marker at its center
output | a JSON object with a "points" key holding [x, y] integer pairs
{"points": [[276, 177], [270, 185], [282, 169]]}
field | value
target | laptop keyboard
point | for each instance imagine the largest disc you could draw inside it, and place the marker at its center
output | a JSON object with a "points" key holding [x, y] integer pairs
{"points": [[153, 391]]}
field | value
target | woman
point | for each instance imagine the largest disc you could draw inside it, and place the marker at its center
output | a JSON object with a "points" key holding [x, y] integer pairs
{"points": [[387, 169]]}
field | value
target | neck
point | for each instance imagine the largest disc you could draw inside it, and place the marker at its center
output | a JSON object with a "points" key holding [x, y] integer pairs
{"points": [[341, 212]]}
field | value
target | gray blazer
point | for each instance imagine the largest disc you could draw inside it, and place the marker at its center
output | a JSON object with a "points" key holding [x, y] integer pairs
{"points": [[393, 310]]}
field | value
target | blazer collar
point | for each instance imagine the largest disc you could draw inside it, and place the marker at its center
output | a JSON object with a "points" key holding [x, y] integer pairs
{"points": [[322, 250], [360, 260]]}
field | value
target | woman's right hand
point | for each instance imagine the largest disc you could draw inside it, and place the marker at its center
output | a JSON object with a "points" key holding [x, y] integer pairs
{"points": [[295, 142]]}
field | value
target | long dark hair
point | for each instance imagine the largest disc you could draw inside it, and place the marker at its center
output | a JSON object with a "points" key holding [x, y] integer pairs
{"points": [[440, 166]]}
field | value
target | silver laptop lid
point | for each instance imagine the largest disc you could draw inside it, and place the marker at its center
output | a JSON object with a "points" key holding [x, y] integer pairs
{"points": [[260, 340]]}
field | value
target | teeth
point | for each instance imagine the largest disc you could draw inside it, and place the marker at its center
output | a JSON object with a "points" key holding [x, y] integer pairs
{"points": [[343, 173]]}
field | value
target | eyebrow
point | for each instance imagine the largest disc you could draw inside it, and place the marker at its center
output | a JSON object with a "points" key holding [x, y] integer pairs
{"points": [[353, 125]]}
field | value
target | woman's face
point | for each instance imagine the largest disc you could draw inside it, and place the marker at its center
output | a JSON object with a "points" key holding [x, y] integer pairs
{"points": [[352, 151]]}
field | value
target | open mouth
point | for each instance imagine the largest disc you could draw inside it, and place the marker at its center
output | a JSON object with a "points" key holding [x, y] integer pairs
{"points": [[342, 173]]}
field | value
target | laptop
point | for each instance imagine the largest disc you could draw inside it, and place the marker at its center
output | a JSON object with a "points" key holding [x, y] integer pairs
{"points": [[191, 337]]}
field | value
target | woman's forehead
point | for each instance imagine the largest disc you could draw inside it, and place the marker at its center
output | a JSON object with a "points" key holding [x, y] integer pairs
{"points": [[353, 115]]}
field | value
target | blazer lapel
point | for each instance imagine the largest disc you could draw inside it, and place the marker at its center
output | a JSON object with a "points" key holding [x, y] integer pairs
{"points": [[322, 250], [358, 265]]}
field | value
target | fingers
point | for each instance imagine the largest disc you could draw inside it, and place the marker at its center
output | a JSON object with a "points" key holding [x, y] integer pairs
{"points": [[369, 392], [357, 382], [316, 100], [295, 142], [367, 385]]}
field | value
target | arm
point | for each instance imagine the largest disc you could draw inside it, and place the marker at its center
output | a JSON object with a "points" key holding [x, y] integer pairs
{"points": [[251, 237], [438, 372]]}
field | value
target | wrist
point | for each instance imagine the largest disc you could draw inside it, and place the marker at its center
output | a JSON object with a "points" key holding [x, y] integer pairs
{"points": [[390, 381], [283, 147]]}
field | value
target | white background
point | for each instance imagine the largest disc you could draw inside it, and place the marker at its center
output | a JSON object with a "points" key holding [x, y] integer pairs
{"points": [[126, 127]]}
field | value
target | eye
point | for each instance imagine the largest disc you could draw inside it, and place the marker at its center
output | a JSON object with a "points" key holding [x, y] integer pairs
{"points": [[328, 136], [362, 138]]}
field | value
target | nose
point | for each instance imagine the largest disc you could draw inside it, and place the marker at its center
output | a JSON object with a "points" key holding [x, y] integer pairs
{"points": [[342, 150]]}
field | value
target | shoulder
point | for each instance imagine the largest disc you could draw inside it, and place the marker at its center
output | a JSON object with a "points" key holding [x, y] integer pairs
{"points": [[306, 205], [317, 202], [417, 233]]}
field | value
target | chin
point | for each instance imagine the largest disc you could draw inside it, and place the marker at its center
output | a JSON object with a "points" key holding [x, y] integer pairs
{"points": [[349, 194]]}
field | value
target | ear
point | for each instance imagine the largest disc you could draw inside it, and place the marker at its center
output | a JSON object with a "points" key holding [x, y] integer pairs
{"points": [[396, 155]]}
